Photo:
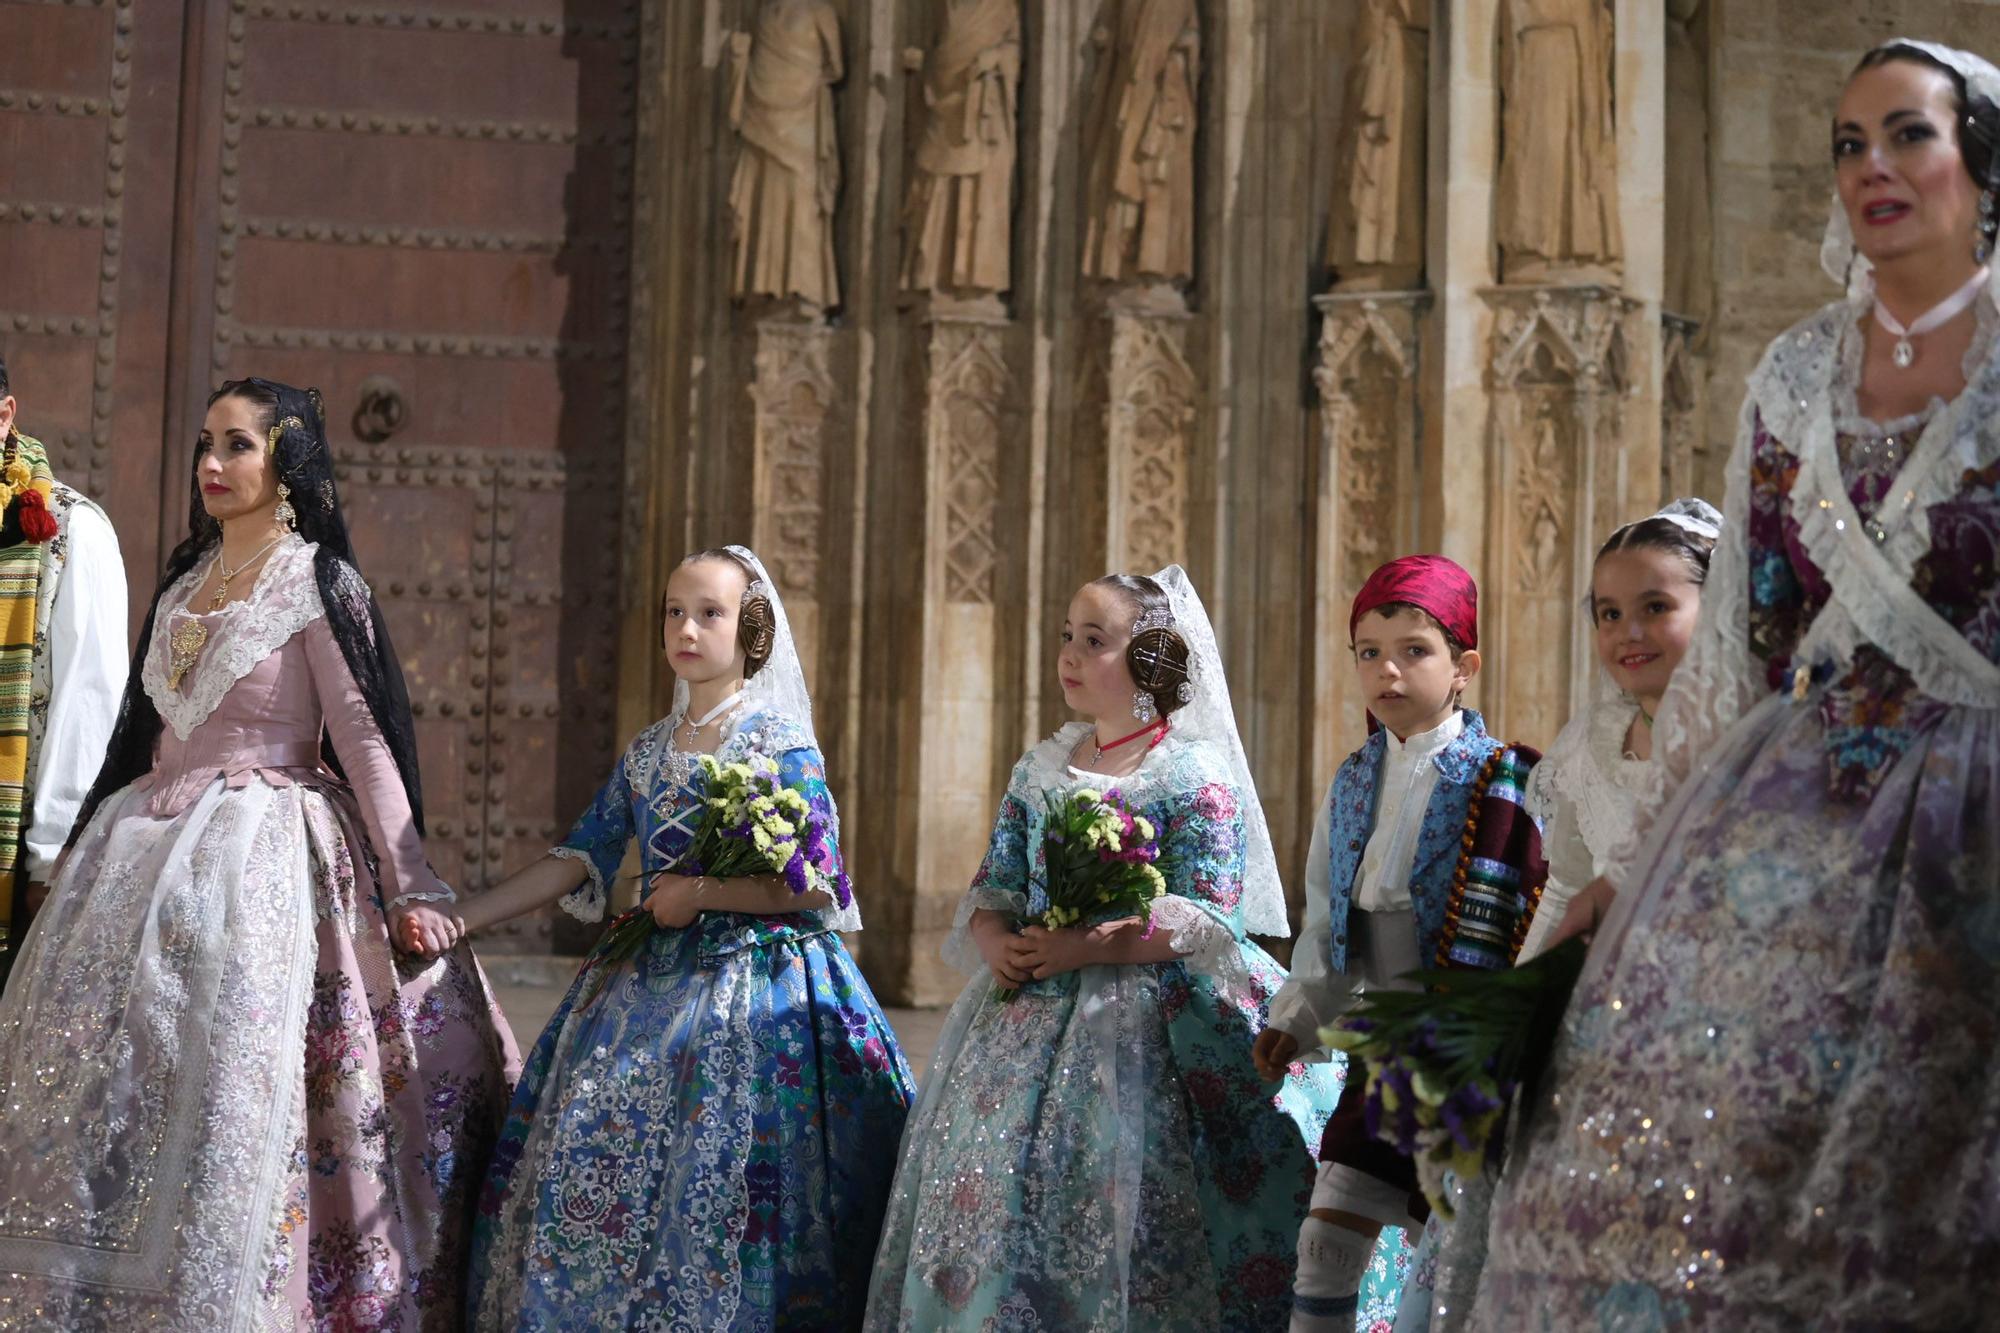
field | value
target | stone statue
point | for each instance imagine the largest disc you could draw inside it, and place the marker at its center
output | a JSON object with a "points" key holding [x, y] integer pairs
{"points": [[1557, 205], [958, 216], [788, 163], [1689, 287], [1376, 240], [1139, 143]]}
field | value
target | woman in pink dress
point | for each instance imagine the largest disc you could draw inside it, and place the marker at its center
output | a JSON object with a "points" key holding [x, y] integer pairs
{"points": [[225, 1102]]}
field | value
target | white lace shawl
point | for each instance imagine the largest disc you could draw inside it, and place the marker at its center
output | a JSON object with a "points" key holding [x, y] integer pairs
{"points": [[283, 601], [1206, 938], [1804, 389]]}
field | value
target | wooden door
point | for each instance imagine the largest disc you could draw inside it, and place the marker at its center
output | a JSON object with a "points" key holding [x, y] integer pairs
{"points": [[422, 209], [89, 125]]}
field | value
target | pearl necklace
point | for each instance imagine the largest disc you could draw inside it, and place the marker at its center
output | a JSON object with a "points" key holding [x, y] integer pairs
{"points": [[1941, 313]]}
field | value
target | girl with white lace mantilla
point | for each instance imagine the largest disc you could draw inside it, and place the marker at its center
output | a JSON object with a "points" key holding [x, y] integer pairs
{"points": [[1644, 596], [1099, 1152], [1774, 1097], [700, 1137], [224, 1102]]}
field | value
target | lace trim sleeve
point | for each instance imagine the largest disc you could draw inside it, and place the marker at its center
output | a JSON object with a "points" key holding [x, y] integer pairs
{"points": [[1203, 942], [586, 902]]}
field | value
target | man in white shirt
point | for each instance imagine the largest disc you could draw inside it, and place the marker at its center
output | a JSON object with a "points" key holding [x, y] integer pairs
{"points": [[63, 655]]}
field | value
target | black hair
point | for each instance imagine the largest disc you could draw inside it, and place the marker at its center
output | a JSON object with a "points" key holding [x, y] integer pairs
{"points": [[1977, 117], [4, 389], [1156, 657], [295, 424], [1661, 534], [1451, 641]]}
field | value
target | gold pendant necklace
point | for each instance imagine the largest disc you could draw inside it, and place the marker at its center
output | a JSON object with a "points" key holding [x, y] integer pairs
{"points": [[190, 636]]}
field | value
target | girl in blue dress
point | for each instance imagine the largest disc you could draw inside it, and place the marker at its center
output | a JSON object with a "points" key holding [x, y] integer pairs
{"points": [[697, 1139], [1099, 1152]]}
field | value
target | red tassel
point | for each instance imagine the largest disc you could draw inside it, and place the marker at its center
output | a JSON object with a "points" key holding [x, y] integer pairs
{"points": [[37, 523]]}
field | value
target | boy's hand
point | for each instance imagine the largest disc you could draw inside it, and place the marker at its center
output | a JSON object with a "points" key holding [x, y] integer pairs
{"points": [[1273, 1053]]}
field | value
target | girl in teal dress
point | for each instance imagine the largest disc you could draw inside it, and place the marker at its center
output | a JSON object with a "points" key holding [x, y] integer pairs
{"points": [[1099, 1152]]}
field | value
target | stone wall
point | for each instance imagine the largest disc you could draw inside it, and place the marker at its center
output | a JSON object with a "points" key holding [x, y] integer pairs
{"points": [[930, 476], [1778, 66]]}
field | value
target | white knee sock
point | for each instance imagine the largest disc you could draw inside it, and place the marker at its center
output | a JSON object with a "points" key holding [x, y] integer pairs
{"points": [[1332, 1261]]}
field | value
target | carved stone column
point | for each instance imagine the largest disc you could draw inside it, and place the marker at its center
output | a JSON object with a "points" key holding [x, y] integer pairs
{"points": [[1150, 402], [1683, 447], [1365, 504], [964, 717], [792, 399], [1560, 478]]}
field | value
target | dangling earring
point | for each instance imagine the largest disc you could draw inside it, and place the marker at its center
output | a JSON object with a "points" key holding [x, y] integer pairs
{"points": [[284, 513], [1142, 707], [1982, 230]]}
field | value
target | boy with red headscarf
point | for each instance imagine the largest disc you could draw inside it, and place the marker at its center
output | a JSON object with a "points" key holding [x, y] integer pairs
{"points": [[1423, 856]]}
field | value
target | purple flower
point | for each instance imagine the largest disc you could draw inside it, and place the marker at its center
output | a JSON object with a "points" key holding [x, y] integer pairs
{"points": [[795, 873], [843, 889]]}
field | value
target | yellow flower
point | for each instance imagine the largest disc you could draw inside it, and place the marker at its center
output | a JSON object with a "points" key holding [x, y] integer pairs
{"points": [[1429, 1091], [1143, 827], [1089, 794], [1342, 1039]]}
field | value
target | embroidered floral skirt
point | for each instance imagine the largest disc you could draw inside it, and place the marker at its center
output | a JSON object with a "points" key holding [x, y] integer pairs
{"points": [[225, 1102], [703, 1139], [1775, 1100], [1100, 1153]]}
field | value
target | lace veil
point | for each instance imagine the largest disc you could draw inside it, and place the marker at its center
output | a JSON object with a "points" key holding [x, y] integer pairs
{"points": [[777, 691], [1210, 717]]}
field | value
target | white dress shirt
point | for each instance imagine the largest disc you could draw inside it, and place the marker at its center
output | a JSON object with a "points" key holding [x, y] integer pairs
{"points": [[1314, 995], [84, 631]]}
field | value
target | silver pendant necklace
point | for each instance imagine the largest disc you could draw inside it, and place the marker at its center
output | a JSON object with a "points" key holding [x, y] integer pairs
{"points": [[1905, 353], [681, 763]]}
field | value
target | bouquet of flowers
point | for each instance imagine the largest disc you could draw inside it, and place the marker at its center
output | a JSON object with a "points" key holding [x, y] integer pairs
{"points": [[751, 824], [1101, 860], [1444, 1062]]}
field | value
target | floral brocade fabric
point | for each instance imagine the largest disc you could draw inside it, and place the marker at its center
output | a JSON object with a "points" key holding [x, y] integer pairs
{"points": [[1099, 1153], [1774, 1104], [702, 1138], [1872, 710]]}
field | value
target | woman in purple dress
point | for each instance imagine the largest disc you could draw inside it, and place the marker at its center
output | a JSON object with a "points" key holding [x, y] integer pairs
{"points": [[225, 1103], [1775, 1102]]}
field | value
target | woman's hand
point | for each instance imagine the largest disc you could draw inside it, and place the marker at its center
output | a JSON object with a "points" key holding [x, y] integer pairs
{"points": [[1273, 1053], [1044, 953], [419, 928], [675, 900], [1585, 911]]}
